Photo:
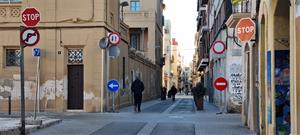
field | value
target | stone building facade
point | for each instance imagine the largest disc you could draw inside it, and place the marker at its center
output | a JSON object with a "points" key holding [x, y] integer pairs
{"points": [[73, 68]]}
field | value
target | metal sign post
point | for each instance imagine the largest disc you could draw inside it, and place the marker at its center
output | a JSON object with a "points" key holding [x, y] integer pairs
{"points": [[28, 37], [104, 43], [113, 86], [107, 78], [36, 52], [22, 46]]}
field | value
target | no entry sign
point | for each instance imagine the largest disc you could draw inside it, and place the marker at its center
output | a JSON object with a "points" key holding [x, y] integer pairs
{"points": [[30, 17], [245, 29], [220, 84]]}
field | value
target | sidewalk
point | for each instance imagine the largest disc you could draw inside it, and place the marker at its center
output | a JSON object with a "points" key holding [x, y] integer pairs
{"points": [[9, 125]]}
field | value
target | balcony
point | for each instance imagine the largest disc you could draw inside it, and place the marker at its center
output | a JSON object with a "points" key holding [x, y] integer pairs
{"points": [[10, 13], [138, 15], [241, 10], [204, 62]]}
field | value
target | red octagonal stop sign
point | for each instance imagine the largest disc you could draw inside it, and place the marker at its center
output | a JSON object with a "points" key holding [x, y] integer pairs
{"points": [[31, 17], [220, 84], [245, 29]]}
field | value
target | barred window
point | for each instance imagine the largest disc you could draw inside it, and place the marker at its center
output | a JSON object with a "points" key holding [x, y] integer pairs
{"points": [[13, 57], [135, 41], [75, 56]]}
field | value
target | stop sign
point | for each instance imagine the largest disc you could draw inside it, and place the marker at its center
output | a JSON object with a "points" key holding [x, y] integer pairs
{"points": [[220, 84], [30, 17], [245, 29]]}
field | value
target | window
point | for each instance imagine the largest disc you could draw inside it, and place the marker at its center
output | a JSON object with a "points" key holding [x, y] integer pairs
{"points": [[135, 41], [10, 1], [75, 56], [12, 57], [135, 5]]}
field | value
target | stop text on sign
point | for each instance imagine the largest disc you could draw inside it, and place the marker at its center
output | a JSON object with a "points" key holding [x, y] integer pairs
{"points": [[30, 17], [244, 30]]}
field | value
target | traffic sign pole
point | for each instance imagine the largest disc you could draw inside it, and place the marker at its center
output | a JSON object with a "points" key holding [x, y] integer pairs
{"points": [[102, 79], [107, 78], [113, 102], [22, 46]]}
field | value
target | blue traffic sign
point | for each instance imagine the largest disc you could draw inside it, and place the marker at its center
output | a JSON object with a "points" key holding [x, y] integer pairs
{"points": [[113, 85], [36, 52]]}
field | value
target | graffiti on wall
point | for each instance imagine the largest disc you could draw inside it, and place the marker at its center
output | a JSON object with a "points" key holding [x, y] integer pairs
{"points": [[282, 88], [235, 83]]}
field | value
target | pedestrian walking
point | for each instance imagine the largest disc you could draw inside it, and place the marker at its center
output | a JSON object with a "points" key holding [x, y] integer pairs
{"points": [[163, 93], [137, 89], [173, 92], [198, 93]]}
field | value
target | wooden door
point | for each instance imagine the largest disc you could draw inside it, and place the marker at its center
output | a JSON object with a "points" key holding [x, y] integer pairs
{"points": [[75, 87]]}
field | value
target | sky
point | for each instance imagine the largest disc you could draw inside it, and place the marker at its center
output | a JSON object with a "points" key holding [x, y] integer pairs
{"points": [[183, 14]]}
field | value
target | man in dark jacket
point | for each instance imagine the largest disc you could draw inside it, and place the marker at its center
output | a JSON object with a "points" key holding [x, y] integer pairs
{"points": [[137, 89], [173, 92]]}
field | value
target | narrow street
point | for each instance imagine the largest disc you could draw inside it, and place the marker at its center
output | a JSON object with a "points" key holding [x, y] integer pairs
{"points": [[157, 118]]}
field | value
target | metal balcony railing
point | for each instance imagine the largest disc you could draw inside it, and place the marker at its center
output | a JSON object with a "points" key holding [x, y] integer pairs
{"points": [[242, 7], [10, 1], [139, 14]]}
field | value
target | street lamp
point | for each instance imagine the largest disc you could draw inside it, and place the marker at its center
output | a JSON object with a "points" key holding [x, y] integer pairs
{"points": [[123, 4]]}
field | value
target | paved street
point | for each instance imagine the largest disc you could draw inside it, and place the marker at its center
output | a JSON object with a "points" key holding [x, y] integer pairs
{"points": [[157, 118]]}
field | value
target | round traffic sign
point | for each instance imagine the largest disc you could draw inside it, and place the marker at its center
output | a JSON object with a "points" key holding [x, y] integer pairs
{"points": [[220, 83], [245, 29], [30, 17], [103, 43], [219, 47], [114, 38], [113, 85], [114, 51], [30, 36]]}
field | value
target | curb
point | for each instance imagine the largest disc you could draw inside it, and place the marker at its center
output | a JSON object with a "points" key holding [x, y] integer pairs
{"points": [[45, 125], [31, 128]]}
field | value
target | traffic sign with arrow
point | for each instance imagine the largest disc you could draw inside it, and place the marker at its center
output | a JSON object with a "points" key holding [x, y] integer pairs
{"points": [[30, 36], [113, 85]]}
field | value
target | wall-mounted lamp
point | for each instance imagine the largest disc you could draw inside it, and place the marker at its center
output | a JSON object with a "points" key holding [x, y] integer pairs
{"points": [[123, 4]]}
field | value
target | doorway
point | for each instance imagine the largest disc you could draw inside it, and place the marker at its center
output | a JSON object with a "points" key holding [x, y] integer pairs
{"points": [[282, 68], [75, 87]]}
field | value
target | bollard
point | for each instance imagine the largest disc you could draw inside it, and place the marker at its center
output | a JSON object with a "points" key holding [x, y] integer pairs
{"points": [[9, 105]]}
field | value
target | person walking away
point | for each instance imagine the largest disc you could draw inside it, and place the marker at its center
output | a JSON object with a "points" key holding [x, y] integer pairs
{"points": [[173, 92], [163, 93], [137, 89], [198, 93]]}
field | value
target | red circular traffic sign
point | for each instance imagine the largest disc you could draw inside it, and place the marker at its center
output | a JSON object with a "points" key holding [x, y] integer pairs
{"points": [[29, 36], [219, 47], [220, 84], [30, 17], [114, 38]]}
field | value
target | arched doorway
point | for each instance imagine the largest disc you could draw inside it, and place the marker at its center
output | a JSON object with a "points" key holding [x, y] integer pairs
{"points": [[281, 67]]}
